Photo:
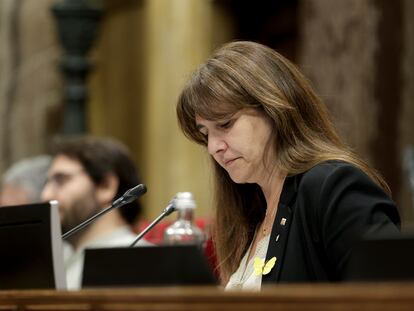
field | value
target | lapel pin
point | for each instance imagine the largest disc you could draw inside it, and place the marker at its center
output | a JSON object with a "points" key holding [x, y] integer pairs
{"points": [[262, 268], [283, 221]]}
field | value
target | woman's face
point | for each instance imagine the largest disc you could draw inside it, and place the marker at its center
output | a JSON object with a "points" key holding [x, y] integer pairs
{"points": [[238, 144]]}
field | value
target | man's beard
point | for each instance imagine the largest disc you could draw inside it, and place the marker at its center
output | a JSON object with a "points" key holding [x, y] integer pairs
{"points": [[81, 210]]}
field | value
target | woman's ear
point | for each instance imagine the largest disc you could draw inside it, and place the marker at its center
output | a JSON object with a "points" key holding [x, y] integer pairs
{"points": [[107, 190]]}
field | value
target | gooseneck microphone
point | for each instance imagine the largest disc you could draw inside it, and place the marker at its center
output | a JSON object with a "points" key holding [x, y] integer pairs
{"points": [[129, 196], [167, 211]]}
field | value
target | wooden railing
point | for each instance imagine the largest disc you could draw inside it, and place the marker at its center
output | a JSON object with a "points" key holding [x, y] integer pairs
{"points": [[318, 297]]}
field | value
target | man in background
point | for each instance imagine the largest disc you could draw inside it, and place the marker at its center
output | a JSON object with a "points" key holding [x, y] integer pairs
{"points": [[86, 175], [23, 182]]}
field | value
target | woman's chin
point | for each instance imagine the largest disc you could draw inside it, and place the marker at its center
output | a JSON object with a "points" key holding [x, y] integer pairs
{"points": [[237, 178]]}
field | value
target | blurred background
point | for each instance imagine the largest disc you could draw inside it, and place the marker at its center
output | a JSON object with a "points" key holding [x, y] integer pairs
{"points": [[115, 68]]}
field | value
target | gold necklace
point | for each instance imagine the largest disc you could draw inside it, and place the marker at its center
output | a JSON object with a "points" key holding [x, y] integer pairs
{"points": [[268, 221]]}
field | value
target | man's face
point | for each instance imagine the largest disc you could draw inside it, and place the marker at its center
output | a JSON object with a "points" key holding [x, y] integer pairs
{"points": [[71, 186]]}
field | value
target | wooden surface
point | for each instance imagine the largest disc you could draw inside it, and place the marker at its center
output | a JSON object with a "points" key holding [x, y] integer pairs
{"points": [[283, 297]]}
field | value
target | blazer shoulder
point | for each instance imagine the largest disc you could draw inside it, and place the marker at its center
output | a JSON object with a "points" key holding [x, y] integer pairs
{"points": [[326, 170]]}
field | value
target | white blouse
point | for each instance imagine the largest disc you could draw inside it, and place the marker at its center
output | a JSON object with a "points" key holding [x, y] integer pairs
{"points": [[244, 278]]}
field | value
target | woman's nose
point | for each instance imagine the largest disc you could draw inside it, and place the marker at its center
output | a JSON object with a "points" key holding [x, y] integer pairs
{"points": [[215, 144]]}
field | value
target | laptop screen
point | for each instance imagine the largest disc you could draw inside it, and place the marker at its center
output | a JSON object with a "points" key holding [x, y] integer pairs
{"points": [[31, 247], [146, 266], [382, 259]]}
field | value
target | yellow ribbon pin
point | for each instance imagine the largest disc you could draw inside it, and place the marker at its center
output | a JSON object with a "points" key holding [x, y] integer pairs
{"points": [[262, 268]]}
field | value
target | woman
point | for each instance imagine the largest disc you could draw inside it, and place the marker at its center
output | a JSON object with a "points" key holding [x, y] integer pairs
{"points": [[291, 198]]}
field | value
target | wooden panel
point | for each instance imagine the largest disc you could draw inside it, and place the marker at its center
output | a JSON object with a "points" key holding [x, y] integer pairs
{"points": [[58, 307], [318, 297]]}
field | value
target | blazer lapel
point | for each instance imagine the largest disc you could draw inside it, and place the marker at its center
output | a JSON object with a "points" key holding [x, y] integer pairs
{"points": [[280, 230]]}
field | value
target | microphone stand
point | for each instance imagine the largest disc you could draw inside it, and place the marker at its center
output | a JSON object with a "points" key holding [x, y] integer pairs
{"points": [[128, 197], [167, 211], [88, 221]]}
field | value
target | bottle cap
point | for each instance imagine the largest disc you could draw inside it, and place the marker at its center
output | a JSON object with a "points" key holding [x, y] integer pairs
{"points": [[184, 200]]}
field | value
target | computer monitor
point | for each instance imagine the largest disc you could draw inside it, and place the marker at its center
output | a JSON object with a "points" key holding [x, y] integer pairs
{"points": [[146, 266], [31, 247], [389, 258]]}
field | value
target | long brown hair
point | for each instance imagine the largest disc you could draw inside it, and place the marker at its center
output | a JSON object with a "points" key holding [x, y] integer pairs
{"points": [[249, 75]]}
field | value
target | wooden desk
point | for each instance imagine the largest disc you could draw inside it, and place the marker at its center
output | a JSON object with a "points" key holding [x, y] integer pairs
{"points": [[375, 297]]}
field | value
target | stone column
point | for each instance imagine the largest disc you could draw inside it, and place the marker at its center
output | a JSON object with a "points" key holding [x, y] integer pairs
{"points": [[178, 39], [30, 88], [406, 127], [358, 55], [337, 52], [77, 22]]}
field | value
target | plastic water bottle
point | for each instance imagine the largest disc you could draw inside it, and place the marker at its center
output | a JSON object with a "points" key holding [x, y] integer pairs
{"points": [[183, 230]]}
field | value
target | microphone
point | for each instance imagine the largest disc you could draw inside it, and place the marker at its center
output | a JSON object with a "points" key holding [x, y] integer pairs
{"points": [[129, 196], [167, 211]]}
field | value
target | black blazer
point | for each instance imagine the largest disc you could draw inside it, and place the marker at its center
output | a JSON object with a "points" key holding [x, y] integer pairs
{"points": [[325, 211]]}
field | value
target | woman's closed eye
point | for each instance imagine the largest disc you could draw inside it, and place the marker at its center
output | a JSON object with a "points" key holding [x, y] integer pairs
{"points": [[219, 125], [226, 124], [203, 131]]}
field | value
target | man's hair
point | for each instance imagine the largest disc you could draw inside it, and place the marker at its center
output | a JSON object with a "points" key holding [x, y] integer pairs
{"points": [[29, 174], [102, 156]]}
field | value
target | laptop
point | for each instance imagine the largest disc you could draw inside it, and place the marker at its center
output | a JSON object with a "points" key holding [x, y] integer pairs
{"points": [[146, 266], [383, 259], [31, 247]]}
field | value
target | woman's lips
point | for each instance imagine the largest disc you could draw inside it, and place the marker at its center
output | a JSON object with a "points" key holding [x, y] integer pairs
{"points": [[229, 162]]}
